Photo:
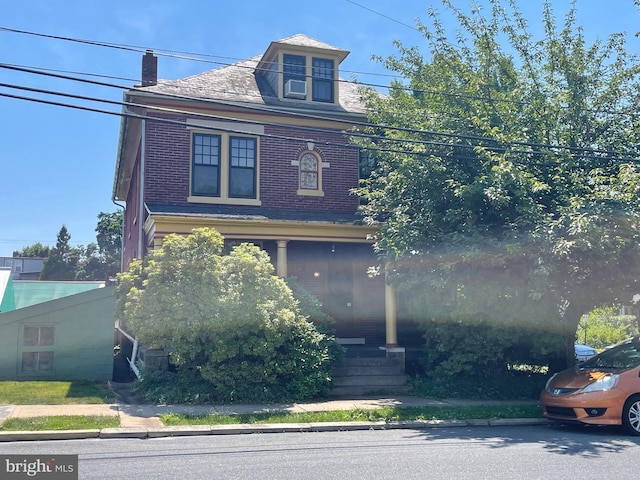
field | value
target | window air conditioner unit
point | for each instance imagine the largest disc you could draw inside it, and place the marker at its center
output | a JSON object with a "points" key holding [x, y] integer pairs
{"points": [[295, 89]]}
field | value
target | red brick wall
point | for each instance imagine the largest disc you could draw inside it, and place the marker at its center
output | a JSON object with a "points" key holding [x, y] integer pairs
{"points": [[132, 219], [167, 167], [167, 160], [279, 179]]}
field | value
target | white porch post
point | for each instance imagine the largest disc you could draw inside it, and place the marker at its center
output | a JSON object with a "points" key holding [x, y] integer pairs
{"points": [[281, 259], [391, 320], [393, 350]]}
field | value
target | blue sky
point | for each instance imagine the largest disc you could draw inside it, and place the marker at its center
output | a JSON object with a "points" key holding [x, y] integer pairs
{"points": [[58, 163]]}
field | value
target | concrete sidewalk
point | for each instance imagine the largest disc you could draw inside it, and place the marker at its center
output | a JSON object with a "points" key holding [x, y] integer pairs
{"points": [[143, 421]]}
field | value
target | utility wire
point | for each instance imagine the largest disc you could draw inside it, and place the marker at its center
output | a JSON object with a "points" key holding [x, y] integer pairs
{"points": [[355, 123], [31, 69], [274, 136], [139, 49], [384, 16], [177, 54]]}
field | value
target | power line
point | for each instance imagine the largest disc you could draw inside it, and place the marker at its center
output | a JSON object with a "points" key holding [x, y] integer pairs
{"points": [[496, 149], [177, 54], [30, 69], [383, 15], [492, 143], [139, 49], [196, 57]]}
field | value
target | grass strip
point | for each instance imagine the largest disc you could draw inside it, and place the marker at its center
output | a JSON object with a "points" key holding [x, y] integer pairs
{"points": [[54, 393], [61, 422], [387, 414]]}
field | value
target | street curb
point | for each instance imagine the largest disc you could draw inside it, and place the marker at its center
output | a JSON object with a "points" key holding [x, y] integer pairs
{"points": [[186, 430], [19, 436]]}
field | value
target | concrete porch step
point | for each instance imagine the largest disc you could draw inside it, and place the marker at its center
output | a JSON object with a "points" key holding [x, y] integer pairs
{"points": [[357, 370], [359, 391], [370, 380], [361, 375]]}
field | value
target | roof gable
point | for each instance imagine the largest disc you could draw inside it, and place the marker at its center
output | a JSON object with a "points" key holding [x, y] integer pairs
{"points": [[300, 41]]}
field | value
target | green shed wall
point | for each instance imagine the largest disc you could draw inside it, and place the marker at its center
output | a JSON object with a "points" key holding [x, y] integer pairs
{"points": [[84, 332]]}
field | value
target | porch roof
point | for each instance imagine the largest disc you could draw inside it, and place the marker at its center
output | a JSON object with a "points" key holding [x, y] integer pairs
{"points": [[257, 213]]}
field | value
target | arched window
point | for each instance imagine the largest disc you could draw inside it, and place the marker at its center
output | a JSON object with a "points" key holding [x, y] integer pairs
{"points": [[309, 172], [310, 167]]}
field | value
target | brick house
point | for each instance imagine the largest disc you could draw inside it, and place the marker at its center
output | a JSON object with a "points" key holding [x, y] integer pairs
{"points": [[257, 150]]}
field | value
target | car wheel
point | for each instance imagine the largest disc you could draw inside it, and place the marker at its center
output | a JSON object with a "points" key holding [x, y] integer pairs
{"points": [[631, 415]]}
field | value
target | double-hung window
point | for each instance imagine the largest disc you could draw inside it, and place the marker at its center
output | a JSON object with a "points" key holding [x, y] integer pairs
{"points": [[224, 168], [206, 165], [242, 167], [322, 80], [294, 67]]}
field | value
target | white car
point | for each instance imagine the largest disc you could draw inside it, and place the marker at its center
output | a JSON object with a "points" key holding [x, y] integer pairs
{"points": [[584, 352]]}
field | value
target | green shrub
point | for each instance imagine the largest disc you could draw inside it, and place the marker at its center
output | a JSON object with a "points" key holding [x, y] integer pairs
{"points": [[284, 360], [184, 386], [482, 348], [507, 386], [227, 320]]}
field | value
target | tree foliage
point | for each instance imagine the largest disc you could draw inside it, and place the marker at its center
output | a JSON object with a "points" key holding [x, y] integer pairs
{"points": [[507, 184], [62, 261], [604, 326], [96, 261], [36, 250], [226, 319]]}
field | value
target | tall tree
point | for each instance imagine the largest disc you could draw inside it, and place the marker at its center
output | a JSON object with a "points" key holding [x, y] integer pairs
{"points": [[96, 261], [101, 261], [62, 261], [109, 236], [507, 182]]}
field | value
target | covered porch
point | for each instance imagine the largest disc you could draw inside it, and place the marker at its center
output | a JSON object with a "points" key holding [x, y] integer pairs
{"points": [[334, 261]]}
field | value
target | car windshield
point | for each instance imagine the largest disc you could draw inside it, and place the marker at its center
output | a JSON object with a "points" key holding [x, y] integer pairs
{"points": [[622, 356]]}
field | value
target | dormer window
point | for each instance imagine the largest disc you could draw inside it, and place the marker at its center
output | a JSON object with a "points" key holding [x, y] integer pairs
{"points": [[294, 69], [322, 78], [295, 78], [301, 69]]}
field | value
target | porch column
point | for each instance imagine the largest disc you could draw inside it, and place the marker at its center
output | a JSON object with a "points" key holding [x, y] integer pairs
{"points": [[281, 259], [391, 321]]}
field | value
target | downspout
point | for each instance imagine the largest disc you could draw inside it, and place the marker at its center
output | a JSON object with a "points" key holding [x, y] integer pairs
{"points": [[143, 136], [121, 234]]}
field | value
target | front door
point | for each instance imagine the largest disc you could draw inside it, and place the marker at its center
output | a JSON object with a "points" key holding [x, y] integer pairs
{"points": [[339, 302]]}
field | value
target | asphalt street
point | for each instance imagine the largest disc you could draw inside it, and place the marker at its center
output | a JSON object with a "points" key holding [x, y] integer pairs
{"points": [[496, 453]]}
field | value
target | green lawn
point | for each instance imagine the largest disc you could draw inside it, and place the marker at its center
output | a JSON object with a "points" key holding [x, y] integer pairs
{"points": [[377, 414], [63, 422], [54, 393]]}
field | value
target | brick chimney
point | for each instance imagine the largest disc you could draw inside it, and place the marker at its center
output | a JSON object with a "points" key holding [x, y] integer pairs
{"points": [[149, 69]]}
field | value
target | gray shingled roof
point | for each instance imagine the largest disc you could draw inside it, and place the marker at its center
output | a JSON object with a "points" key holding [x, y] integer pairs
{"points": [[305, 41], [239, 83]]}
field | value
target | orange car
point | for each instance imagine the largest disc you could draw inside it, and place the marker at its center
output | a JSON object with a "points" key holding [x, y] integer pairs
{"points": [[604, 390]]}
